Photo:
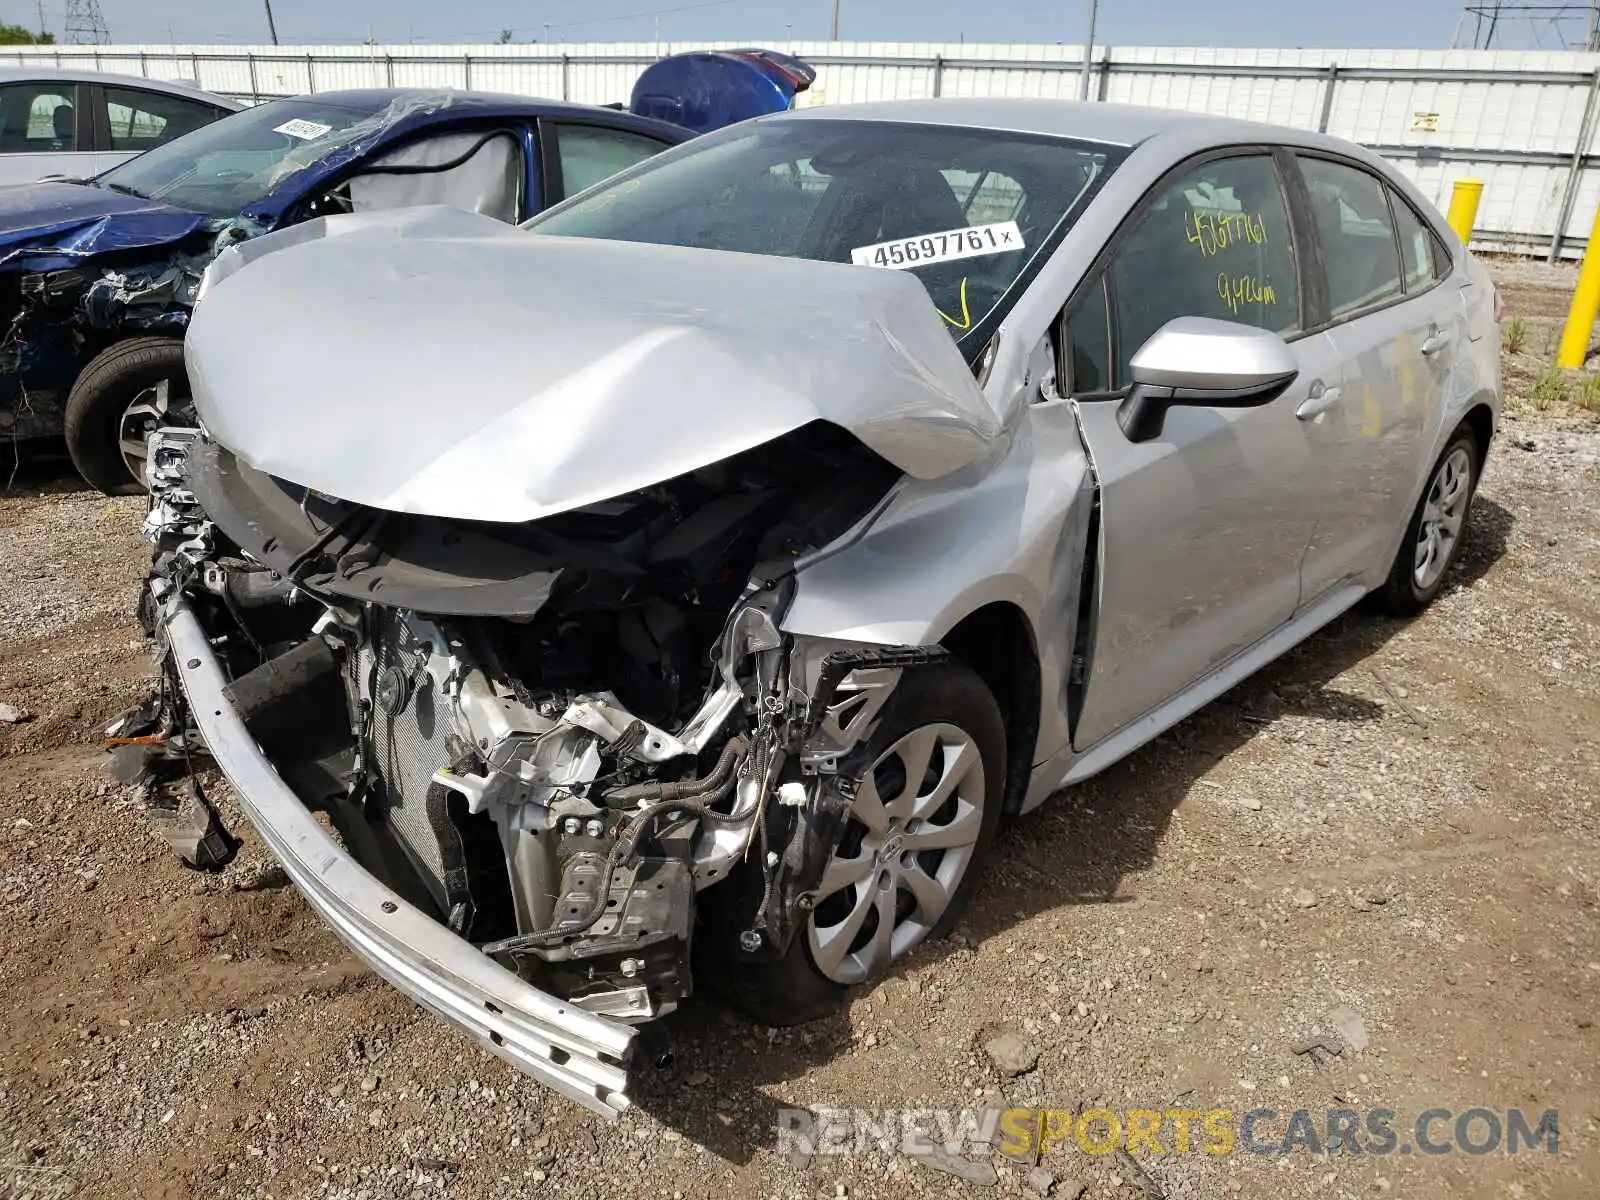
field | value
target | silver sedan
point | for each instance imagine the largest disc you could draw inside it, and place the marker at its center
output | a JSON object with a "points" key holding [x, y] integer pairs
{"points": [[719, 556]]}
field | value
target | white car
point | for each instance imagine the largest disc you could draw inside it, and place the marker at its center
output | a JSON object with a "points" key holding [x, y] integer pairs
{"points": [[75, 124]]}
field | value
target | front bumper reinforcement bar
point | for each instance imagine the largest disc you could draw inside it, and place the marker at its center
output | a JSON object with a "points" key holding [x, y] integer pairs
{"points": [[577, 1053]]}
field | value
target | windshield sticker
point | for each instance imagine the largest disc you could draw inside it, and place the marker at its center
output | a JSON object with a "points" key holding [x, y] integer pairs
{"points": [[947, 246], [304, 130]]}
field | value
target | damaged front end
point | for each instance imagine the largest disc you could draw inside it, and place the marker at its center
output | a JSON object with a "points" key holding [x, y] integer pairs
{"points": [[509, 763]]}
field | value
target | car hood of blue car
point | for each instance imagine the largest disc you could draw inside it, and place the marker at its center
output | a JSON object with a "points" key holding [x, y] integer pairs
{"points": [[48, 226]]}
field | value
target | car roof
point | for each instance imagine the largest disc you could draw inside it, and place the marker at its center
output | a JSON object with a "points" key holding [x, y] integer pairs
{"points": [[1114, 124], [64, 75], [492, 104]]}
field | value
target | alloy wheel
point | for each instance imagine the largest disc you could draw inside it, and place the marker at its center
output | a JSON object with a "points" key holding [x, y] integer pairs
{"points": [[146, 413], [913, 828], [1444, 512]]}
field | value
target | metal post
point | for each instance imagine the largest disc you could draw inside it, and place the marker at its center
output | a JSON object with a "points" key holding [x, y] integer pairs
{"points": [[1104, 87], [466, 71], [272, 26], [388, 70], [311, 73], [194, 67], [255, 84], [1569, 193], [1088, 50], [833, 26], [938, 75], [144, 64], [566, 77], [1585, 303], [1327, 97]]}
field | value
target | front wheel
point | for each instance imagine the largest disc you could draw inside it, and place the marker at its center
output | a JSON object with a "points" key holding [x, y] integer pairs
{"points": [[1433, 536], [125, 392], [923, 816]]}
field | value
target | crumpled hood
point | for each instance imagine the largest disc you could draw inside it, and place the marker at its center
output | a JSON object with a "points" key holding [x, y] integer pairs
{"points": [[434, 361], [47, 226]]}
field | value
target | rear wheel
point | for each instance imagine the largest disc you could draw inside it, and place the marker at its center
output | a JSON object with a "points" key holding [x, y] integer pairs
{"points": [[126, 391], [923, 816], [1433, 536]]}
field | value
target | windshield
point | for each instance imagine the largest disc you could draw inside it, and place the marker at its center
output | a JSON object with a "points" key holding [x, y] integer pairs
{"points": [[967, 211], [235, 162]]}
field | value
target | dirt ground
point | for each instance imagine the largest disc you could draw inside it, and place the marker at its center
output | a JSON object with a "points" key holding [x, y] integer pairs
{"points": [[1397, 823]]}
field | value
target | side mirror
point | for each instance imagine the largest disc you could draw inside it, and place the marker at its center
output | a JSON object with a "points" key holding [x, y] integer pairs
{"points": [[1206, 363]]}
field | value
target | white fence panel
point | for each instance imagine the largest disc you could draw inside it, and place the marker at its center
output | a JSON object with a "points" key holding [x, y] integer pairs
{"points": [[1513, 119]]}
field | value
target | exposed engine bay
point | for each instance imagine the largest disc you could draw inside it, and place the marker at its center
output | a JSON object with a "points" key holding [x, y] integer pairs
{"points": [[552, 735]]}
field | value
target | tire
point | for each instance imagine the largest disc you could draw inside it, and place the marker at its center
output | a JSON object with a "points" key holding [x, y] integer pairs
{"points": [[949, 706], [1410, 588], [105, 389]]}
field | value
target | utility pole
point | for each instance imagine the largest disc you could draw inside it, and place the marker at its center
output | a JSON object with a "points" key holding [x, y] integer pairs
{"points": [[41, 20], [833, 28], [272, 26], [1088, 50]]}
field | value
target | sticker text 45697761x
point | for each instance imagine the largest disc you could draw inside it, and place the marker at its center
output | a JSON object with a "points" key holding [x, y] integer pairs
{"points": [[947, 245]]}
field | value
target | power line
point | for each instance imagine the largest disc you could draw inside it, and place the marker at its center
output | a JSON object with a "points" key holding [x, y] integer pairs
{"points": [[1490, 19], [630, 16]]}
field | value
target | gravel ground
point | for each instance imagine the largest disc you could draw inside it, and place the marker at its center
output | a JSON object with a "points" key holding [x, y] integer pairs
{"points": [[1392, 832]]}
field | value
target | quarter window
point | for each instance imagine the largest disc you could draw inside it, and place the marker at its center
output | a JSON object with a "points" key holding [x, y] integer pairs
{"points": [[1214, 243], [1086, 345], [1359, 248], [1416, 254]]}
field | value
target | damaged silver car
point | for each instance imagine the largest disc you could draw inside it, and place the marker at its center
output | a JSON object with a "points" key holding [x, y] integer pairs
{"points": [[708, 565]]}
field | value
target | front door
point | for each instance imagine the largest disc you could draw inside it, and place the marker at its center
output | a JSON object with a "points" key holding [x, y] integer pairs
{"points": [[43, 132], [1203, 528]]}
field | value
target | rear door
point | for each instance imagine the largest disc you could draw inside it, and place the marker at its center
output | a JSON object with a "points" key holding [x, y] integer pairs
{"points": [[1202, 528], [44, 131], [1394, 328]]}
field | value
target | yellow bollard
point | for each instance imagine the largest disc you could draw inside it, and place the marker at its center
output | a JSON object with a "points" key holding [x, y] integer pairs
{"points": [[1585, 304], [1463, 213]]}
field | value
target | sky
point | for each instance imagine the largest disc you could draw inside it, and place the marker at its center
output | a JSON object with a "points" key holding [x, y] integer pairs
{"points": [[1316, 23]]}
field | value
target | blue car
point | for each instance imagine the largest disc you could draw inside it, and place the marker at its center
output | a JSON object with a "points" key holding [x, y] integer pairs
{"points": [[98, 277]]}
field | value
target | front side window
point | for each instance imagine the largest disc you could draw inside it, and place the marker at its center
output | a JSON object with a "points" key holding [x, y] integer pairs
{"points": [[36, 118], [1359, 248], [966, 211], [590, 153], [1215, 242], [138, 120], [477, 170]]}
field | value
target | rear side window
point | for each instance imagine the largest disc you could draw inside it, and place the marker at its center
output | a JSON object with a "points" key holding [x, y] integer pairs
{"points": [[1359, 248], [590, 153], [138, 120], [1215, 242]]}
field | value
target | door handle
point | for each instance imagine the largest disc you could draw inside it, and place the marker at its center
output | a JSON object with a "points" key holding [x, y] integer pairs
{"points": [[1319, 402], [1436, 341]]}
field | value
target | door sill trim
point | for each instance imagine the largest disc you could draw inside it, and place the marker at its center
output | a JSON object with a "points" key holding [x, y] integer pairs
{"points": [[1247, 662]]}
